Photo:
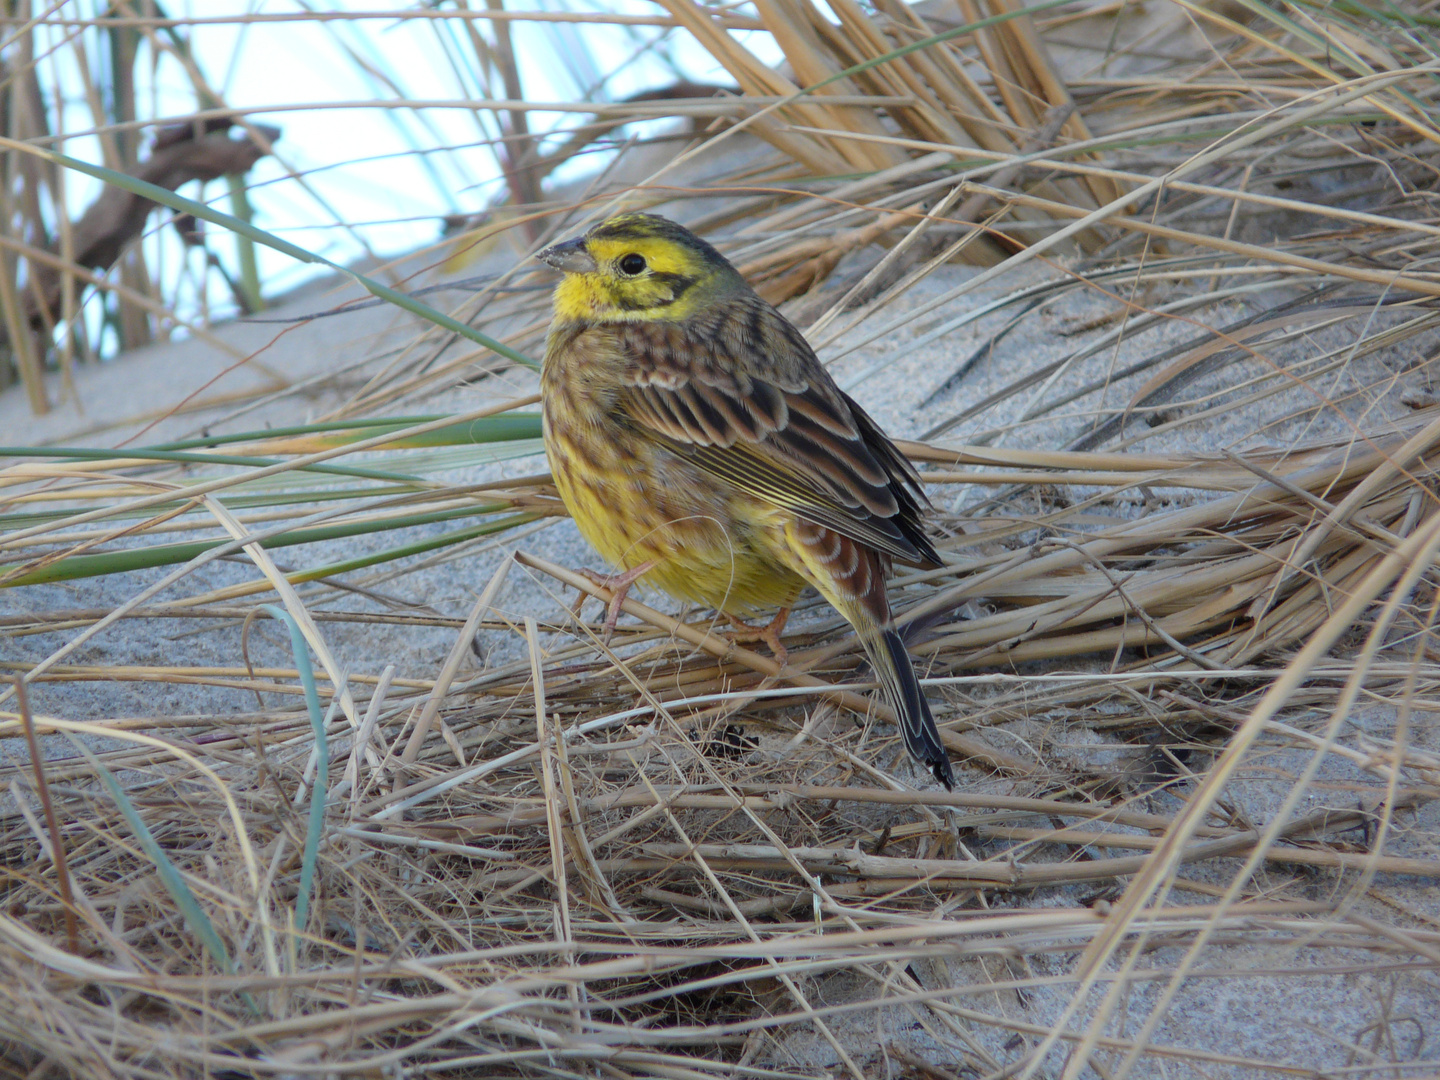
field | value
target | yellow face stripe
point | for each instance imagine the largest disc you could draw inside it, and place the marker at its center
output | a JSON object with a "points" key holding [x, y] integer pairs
{"points": [[672, 284]]}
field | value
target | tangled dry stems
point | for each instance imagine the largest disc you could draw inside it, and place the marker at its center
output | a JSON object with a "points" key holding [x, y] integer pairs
{"points": [[662, 856]]}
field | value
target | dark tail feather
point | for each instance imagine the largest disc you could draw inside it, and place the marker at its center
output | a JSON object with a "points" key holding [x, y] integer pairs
{"points": [[896, 673]]}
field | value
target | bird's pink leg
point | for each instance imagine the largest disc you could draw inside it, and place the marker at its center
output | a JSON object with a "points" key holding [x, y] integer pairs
{"points": [[769, 633], [619, 585]]}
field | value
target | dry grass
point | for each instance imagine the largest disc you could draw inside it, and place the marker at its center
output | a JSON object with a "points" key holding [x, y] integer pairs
{"points": [[668, 856]]}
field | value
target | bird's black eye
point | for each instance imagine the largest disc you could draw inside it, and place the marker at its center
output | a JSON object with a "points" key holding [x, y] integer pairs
{"points": [[632, 264]]}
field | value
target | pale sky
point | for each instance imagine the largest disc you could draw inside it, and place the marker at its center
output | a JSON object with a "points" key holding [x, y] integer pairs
{"points": [[360, 164]]}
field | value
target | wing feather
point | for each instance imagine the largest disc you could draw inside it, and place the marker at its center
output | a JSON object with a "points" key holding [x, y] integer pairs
{"points": [[740, 393]]}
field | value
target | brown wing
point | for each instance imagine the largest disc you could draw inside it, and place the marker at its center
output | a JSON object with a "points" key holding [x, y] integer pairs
{"points": [[778, 428]]}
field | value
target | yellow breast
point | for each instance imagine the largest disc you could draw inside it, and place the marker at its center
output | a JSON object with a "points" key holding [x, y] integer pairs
{"points": [[636, 503]]}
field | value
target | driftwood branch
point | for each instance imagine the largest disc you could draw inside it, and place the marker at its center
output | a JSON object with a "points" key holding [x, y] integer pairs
{"points": [[181, 153]]}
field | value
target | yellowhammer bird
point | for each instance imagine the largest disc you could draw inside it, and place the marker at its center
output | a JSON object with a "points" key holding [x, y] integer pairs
{"points": [[703, 449]]}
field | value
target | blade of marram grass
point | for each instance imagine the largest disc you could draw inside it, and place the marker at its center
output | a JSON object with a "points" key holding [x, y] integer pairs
{"points": [[321, 785], [129, 458], [170, 878], [71, 568]]}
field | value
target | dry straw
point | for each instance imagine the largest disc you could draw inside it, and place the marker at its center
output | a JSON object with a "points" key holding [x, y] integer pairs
{"points": [[667, 855]]}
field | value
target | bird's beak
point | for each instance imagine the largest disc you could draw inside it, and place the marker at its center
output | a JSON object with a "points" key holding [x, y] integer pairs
{"points": [[570, 256]]}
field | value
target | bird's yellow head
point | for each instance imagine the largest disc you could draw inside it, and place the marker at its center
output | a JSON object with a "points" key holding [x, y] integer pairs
{"points": [[638, 267]]}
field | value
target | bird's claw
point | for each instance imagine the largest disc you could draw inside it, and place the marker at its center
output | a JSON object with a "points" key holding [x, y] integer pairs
{"points": [[618, 586], [769, 633]]}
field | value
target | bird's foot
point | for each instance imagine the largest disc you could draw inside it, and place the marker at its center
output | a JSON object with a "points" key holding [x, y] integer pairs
{"points": [[769, 633], [619, 585]]}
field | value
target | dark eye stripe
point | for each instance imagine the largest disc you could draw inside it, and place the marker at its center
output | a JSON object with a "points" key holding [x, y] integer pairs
{"points": [[679, 283]]}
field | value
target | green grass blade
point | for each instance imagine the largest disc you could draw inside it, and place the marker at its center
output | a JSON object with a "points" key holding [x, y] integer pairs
{"points": [[84, 453], [144, 558], [503, 427], [369, 425], [171, 878], [245, 247], [420, 547], [233, 502], [322, 763]]}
